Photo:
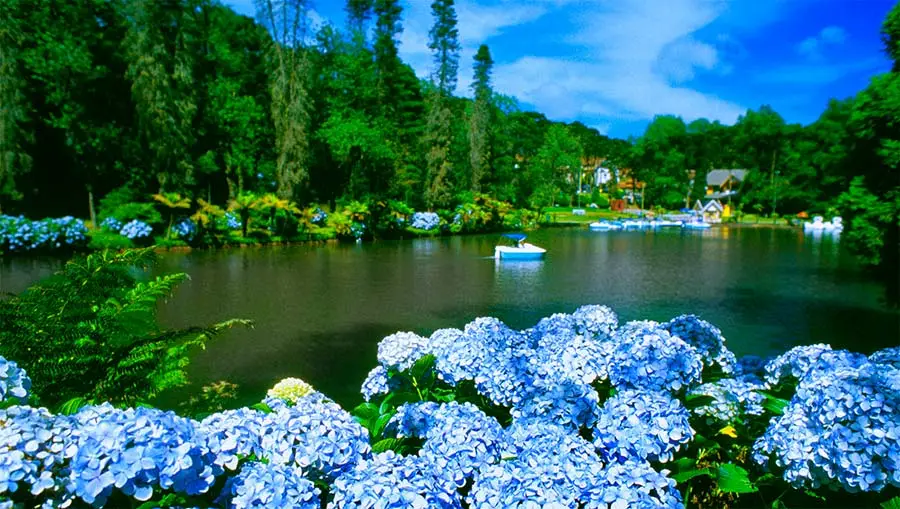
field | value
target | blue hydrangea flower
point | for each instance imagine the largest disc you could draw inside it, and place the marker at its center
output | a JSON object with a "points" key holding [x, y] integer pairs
{"points": [[270, 485], [136, 229], [635, 425], [426, 220], [232, 221], [732, 399], [315, 434], [808, 363], [319, 216], [542, 464], [18, 234], [401, 350], [14, 382], [139, 451], [375, 384], [649, 358], [35, 449], [459, 438], [388, 480], [840, 430], [623, 485], [185, 229], [111, 224], [889, 356], [706, 338], [597, 322], [235, 434]]}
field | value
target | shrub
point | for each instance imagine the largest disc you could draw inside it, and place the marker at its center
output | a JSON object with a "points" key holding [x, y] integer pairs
{"points": [[101, 239], [21, 235], [90, 331], [426, 221]]}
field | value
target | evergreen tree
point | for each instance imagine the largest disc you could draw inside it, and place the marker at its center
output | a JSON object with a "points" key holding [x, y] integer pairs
{"points": [[480, 120], [161, 51], [444, 43], [14, 130], [287, 21]]}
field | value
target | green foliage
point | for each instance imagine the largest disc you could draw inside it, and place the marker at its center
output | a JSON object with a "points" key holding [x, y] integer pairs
{"points": [[101, 239], [124, 205], [90, 331], [893, 503]]}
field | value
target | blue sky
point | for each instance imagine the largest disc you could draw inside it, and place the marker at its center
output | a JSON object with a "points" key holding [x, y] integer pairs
{"points": [[614, 64]]}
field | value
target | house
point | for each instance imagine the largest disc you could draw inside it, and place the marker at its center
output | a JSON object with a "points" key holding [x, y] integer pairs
{"points": [[724, 183], [712, 210]]}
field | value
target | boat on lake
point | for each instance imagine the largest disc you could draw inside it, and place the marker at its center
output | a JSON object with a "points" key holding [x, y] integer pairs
{"points": [[603, 226], [818, 224], [521, 251], [665, 223], [696, 225], [635, 224]]}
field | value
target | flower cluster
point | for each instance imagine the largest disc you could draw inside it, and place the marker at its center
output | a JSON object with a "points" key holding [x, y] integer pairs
{"points": [[426, 221], [319, 217], [841, 429], [390, 480], [14, 382], [632, 484], [809, 363], [706, 338], [111, 224], [401, 350], [375, 384], [185, 229], [889, 356], [290, 390], [542, 464], [19, 235], [136, 229], [459, 438], [231, 221], [635, 425], [647, 357], [270, 485]]}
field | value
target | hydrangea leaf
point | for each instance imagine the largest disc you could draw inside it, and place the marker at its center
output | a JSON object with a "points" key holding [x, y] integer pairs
{"points": [[388, 444], [692, 401], [262, 407], [893, 503], [734, 479], [774, 404]]}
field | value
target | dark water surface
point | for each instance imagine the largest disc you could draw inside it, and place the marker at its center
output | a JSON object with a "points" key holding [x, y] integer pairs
{"points": [[321, 310]]}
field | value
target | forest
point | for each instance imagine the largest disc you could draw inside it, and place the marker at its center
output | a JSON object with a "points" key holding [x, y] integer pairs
{"points": [[186, 96]]}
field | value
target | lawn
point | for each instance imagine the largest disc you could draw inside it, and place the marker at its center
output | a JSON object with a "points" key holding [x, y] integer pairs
{"points": [[563, 215]]}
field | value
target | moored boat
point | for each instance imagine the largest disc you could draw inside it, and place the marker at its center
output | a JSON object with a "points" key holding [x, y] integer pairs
{"points": [[521, 251]]}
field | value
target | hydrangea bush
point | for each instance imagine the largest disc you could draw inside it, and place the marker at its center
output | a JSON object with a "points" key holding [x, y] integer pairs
{"points": [[578, 411], [427, 221], [21, 235]]}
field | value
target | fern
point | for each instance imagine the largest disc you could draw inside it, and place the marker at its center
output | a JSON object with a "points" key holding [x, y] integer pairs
{"points": [[90, 331]]}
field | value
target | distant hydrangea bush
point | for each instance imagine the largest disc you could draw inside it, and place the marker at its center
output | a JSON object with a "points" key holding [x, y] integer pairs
{"points": [[111, 224], [578, 411], [136, 229], [15, 386], [21, 235], [185, 229], [426, 221]]}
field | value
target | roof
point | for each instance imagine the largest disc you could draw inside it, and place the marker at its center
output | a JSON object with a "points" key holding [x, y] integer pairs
{"points": [[709, 205], [719, 177]]}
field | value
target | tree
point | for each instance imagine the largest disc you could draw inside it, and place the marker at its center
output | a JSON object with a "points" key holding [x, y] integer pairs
{"points": [[444, 43], [287, 21], [480, 119], [387, 61], [660, 162], [759, 137], [161, 53], [556, 161]]}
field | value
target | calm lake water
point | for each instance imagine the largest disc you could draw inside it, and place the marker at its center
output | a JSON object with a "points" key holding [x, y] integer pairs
{"points": [[321, 310]]}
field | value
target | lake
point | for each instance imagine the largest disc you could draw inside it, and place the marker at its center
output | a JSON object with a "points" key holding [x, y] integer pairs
{"points": [[320, 310]]}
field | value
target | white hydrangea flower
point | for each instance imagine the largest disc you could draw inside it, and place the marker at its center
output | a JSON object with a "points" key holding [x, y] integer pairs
{"points": [[290, 390]]}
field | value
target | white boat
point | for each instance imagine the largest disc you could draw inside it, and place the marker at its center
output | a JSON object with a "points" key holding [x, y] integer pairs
{"points": [[630, 223], [521, 251], [664, 223], [603, 226], [696, 225], [817, 224]]}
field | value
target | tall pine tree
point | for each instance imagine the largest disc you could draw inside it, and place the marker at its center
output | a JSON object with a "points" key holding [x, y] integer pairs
{"points": [[480, 121], [444, 43], [288, 23]]}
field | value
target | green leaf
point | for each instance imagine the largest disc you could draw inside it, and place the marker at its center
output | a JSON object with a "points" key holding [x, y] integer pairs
{"points": [[774, 404], [734, 479], [366, 411], [687, 475], [388, 444], [692, 401], [893, 503], [422, 367], [262, 407], [381, 423]]}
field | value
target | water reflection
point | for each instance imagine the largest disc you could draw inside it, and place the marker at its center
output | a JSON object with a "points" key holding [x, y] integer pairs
{"points": [[519, 274]]}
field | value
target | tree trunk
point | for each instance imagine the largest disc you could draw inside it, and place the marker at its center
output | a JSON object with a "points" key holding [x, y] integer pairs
{"points": [[91, 211]]}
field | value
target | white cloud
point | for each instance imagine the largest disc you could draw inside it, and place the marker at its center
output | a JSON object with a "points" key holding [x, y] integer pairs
{"points": [[633, 51], [813, 47]]}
